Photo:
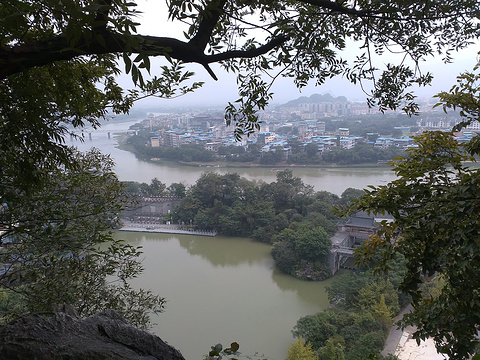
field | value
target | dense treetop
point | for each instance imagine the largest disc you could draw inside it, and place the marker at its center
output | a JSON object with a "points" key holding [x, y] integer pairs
{"points": [[435, 203], [301, 39]]}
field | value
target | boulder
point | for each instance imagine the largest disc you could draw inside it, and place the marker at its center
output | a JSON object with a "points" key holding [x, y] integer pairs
{"points": [[63, 335]]}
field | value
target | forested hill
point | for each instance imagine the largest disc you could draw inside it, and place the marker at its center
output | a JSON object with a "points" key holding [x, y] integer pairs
{"points": [[313, 99]]}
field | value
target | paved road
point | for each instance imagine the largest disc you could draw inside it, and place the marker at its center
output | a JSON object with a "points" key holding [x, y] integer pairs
{"points": [[395, 334]]}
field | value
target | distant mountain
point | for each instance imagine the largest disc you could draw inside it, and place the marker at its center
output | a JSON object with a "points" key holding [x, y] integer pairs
{"points": [[314, 99]]}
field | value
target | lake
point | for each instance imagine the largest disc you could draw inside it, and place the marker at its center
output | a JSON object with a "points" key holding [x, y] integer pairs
{"points": [[221, 290]]}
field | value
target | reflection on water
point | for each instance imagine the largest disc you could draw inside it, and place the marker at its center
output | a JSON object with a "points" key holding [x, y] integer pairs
{"points": [[224, 251], [222, 290]]}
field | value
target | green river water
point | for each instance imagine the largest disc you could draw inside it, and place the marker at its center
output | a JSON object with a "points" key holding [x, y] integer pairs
{"points": [[222, 289]]}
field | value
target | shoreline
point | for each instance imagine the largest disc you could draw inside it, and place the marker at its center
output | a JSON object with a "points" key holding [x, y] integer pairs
{"points": [[219, 164], [225, 165]]}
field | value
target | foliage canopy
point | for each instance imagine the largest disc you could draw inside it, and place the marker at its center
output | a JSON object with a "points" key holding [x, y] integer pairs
{"points": [[60, 247], [300, 351], [300, 39], [435, 204], [361, 312]]}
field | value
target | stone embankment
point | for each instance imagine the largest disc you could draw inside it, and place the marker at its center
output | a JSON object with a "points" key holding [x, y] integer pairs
{"points": [[163, 228]]}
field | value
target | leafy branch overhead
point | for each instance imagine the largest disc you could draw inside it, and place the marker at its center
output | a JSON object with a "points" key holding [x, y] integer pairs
{"points": [[300, 39]]}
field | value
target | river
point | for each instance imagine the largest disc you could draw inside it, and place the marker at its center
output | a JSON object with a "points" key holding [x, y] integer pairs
{"points": [[130, 168], [222, 289]]}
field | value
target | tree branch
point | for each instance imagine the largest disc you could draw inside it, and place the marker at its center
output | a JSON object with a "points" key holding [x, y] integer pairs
{"points": [[335, 6], [18, 58], [100, 40], [250, 53], [209, 19]]}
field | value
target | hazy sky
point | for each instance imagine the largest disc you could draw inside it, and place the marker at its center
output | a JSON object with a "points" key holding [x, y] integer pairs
{"points": [[154, 22]]}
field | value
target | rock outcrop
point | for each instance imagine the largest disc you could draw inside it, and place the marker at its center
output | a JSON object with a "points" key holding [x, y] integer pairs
{"points": [[64, 336]]}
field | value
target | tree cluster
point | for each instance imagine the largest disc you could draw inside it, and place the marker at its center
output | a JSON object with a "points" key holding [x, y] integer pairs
{"points": [[59, 245], [155, 188], [298, 350], [286, 213], [303, 251], [435, 204], [239, 154], [363, 308], [362, 153], [380, 124]]}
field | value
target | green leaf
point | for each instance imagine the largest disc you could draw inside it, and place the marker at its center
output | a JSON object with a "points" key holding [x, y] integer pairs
{"points": [[128, 62], [234, 346]]}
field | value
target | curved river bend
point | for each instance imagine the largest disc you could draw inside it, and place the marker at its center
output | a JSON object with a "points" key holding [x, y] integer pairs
{"points": [[224, 289]]}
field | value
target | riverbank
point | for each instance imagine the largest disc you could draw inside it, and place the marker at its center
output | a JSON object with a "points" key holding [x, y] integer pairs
{"points": [[282, 165], [121, 141]]}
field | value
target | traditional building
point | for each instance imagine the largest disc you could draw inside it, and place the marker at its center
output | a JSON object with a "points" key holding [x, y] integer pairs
{"points": [[351, 234]]}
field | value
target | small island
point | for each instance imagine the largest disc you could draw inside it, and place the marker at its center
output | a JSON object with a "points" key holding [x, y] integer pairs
{"points": [[296, 220]]}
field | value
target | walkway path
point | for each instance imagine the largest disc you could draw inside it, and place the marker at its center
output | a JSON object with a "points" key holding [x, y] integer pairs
{"points": [[162, 228], [395, 334], [401, 343]]}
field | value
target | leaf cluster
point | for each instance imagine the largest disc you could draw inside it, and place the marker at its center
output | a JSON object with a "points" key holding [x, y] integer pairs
{"points": [[62, 249], [463, 96], [435, 205]]}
